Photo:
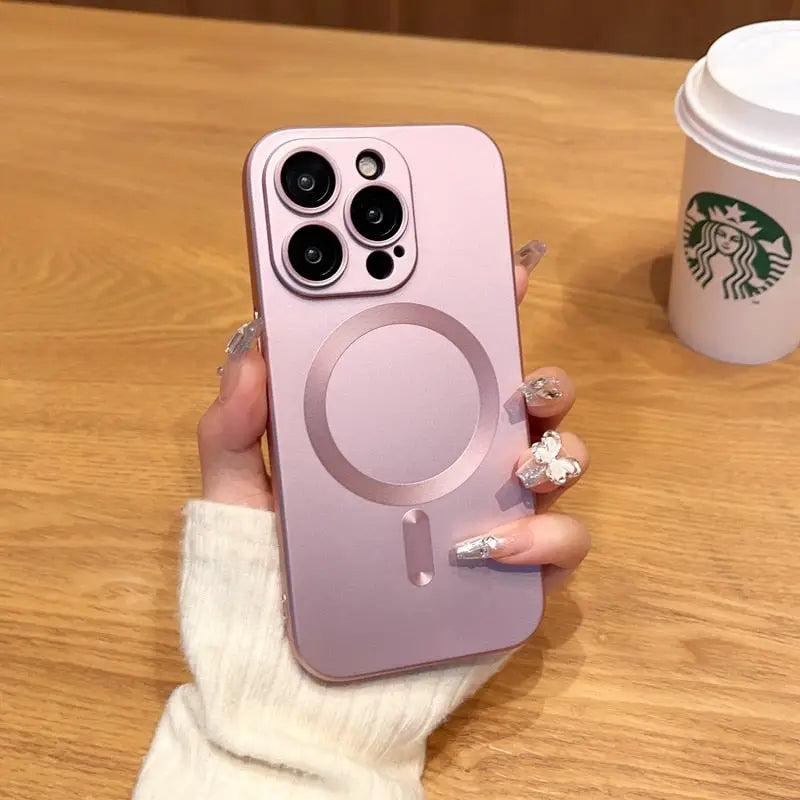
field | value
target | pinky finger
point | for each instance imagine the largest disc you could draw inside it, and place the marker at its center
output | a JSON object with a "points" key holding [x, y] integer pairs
{"points": [[544, 539], [556, 542]]}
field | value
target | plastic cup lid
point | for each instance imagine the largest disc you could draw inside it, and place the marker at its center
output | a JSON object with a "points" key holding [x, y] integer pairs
{"points": [[743, 99]]}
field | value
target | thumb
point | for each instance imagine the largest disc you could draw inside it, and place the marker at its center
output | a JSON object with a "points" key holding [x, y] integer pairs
{"points": [[229, 436]]}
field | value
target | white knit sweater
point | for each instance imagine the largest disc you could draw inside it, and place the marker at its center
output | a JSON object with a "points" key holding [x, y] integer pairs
{"points": [[254, 724]]}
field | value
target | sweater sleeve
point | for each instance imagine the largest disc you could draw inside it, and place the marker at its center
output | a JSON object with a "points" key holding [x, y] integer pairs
{"points": [[253, 724]]}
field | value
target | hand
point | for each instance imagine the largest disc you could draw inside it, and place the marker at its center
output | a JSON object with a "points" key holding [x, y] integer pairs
{"points": [[233, 470], [254, 723]]}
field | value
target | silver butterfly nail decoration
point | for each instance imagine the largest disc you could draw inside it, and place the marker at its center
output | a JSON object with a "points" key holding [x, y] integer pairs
{"points": [[545, 463]]}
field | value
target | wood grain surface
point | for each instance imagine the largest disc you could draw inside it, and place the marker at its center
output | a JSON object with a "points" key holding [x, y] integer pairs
{"points": [[666, 670], [671, 28]]}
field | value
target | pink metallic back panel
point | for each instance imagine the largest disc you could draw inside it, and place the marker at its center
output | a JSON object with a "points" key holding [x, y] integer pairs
{"points": [[395, 417]]}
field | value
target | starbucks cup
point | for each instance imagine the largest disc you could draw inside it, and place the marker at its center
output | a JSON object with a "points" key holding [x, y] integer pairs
{"points": [[735, 288]]}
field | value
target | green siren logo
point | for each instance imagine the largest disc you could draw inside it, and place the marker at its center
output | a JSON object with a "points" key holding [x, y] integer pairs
{"points": [[731, 242]]}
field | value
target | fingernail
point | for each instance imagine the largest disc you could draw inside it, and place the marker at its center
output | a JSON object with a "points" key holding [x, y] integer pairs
{"points": [[547, 465], [230, 377], [530, 254], [541, 391], [237, 348], [245, 335], [480, 548]]}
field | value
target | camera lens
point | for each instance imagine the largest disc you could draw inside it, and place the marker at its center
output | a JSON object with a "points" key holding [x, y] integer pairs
{"points": [[315, 253], [376, 213], [308, 179]]}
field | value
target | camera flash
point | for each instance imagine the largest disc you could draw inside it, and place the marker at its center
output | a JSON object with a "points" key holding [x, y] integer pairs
{"points": [[369, 165]]}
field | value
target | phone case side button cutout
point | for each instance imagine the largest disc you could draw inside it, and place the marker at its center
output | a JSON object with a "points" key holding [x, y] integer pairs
{"points": [[418, 547]]}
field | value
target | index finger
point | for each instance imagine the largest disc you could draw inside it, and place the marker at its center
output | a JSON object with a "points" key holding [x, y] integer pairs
{"points": [[525, 261], [521, 276]]}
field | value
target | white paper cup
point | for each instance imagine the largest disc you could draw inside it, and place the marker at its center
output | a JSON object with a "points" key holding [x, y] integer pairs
{"points": [[735, 288]]}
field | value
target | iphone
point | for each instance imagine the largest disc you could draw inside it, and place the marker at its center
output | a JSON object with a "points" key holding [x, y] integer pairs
{"points": [[382, 268]]}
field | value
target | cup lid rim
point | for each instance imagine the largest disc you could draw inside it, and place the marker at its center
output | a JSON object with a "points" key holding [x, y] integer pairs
{"points": [[731, 122], [729, 50]]}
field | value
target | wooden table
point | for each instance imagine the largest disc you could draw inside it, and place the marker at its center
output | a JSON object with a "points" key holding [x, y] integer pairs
{"points": [[667, 669]]}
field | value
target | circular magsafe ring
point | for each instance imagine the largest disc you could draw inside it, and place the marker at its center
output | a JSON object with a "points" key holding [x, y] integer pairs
{"points": [[316, 412]]}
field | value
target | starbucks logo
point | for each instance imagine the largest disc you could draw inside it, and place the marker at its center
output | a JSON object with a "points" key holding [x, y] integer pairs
{"points": [[732, 243]]}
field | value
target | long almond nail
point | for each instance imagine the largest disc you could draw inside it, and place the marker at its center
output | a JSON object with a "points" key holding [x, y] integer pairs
{"points": [[481, 548], [237, 348], [245, 335], [530, 254], [541, 391]]}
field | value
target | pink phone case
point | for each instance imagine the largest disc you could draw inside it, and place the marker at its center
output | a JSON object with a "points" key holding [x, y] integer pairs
{"points": [[395, 416]]}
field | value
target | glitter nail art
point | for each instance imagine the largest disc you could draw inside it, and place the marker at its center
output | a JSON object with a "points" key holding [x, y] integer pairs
{"points": [[540, 391]]}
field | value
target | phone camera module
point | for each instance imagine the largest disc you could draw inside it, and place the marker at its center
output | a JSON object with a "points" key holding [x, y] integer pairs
{"points": [[308, 179], [315, 254], [376, 213]]}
